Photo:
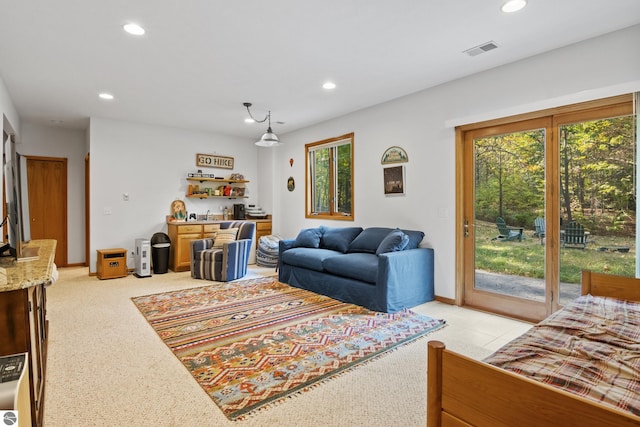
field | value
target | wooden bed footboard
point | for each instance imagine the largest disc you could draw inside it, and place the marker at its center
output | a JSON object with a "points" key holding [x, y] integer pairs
{"points": [[465, 392], [609, 285]]}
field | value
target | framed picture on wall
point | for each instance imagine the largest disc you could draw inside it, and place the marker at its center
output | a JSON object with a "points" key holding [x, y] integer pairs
{"points": [[394, 154], [393, 180]]}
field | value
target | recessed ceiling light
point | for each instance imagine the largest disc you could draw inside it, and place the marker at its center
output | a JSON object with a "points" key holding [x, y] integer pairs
{"points": [[329, 85], [249, 120], [105, 95], [513, 6], [134, 29]]}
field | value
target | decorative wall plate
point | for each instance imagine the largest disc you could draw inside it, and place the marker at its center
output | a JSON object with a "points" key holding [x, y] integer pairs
{"points": [[394, 154]]}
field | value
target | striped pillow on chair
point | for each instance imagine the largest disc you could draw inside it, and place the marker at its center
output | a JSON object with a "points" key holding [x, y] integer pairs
{"points": [[225, 236]]}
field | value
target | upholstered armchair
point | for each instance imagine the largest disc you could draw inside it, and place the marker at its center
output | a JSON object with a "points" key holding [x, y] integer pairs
{"points": [[224, 257]]}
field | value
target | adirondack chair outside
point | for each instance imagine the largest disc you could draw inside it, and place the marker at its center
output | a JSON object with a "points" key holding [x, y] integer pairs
{"points": [[507, 233], [574, 235], [541, 229]]}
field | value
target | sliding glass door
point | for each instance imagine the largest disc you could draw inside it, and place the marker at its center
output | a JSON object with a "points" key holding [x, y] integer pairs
{"points": [[543, 198]]}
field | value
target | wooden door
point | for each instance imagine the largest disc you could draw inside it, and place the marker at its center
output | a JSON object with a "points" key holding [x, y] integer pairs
{"points": [[47, 182]]}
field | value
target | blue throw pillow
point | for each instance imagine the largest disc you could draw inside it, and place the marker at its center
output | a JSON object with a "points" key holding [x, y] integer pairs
{"points": [[308, 238], [339, 238], [415, 237], [395, 241], [369, 240]]}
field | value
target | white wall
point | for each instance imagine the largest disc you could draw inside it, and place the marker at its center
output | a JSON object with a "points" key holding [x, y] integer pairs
{"points": [[11, 120], [422, 124], [150, 164], [53, 141]]}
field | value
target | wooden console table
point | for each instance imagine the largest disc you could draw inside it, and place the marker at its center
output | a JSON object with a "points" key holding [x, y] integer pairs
{"points": [[23, 315]]}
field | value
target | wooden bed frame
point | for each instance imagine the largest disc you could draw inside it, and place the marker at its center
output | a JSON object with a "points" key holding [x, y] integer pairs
{"points": [[465, 392]]}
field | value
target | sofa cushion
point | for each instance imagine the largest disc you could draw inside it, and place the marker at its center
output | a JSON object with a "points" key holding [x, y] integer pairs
{"points": [[396, 240], [339, 238], [369, 240], [310, 258], [415, 237], [359, 266], [308, 238]]}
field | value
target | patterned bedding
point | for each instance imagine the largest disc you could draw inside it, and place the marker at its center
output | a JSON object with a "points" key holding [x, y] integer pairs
{"points": [[590, 348]]}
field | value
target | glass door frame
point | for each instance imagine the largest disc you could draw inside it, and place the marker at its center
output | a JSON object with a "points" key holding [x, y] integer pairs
{"points": [[550, 120], [509, 305]]}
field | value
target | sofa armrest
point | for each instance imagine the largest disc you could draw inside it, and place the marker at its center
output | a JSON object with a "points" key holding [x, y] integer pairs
{"points": [[236, 244], [200, 245], [283, 245], [235, 258], [405, 278]]}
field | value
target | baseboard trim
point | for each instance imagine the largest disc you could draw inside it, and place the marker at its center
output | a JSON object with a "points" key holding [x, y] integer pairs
{"points": [[449, 301], [77, 264]]}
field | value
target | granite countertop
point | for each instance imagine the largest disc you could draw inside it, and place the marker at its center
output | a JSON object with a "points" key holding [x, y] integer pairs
{"points": [[26, 273]]}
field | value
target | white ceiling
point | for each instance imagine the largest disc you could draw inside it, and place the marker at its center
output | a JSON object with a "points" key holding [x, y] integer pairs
{"points": [[201, 59]]}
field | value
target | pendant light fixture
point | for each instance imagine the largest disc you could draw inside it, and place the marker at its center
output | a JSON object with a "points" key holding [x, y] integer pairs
{"points": [[269, 138]]}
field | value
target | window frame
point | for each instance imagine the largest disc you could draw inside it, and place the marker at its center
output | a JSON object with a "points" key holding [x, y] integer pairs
{"points": [[332, 144]]}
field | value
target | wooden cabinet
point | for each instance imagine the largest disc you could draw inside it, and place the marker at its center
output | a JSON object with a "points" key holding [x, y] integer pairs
{"points": [[263, 228], [181, 235], [23, 328], [23, 318], [209, 230]]}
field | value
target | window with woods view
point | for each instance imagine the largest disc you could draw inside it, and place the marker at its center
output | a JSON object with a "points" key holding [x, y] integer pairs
{"points": [[329, 178], [547, 195]]}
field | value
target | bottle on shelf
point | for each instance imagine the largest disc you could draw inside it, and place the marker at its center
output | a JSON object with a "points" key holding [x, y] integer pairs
{"points": [[225, 214]]}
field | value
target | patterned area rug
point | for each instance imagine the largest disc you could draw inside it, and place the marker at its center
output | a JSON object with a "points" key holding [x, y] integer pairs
{"points": [[252, 343]]}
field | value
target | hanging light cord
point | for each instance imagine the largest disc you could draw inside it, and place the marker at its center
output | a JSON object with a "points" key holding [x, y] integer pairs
{"points": [[248, 104]]}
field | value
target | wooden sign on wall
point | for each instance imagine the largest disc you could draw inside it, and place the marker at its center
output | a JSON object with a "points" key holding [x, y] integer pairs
{"points": [[214, 161]]}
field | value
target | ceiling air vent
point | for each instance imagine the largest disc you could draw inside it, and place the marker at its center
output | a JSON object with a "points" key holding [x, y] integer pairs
{"points": [[484, 47]]}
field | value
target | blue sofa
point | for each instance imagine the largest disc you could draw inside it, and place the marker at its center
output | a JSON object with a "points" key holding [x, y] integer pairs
{"points": [[380, 268]]}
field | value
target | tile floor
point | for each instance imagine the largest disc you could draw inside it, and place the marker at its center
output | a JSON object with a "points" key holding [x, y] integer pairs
{"points": [[473, 333]]}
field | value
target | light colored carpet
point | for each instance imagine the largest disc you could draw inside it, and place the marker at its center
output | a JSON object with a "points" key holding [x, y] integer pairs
{"points": [[255, 342], [106, 366]]}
